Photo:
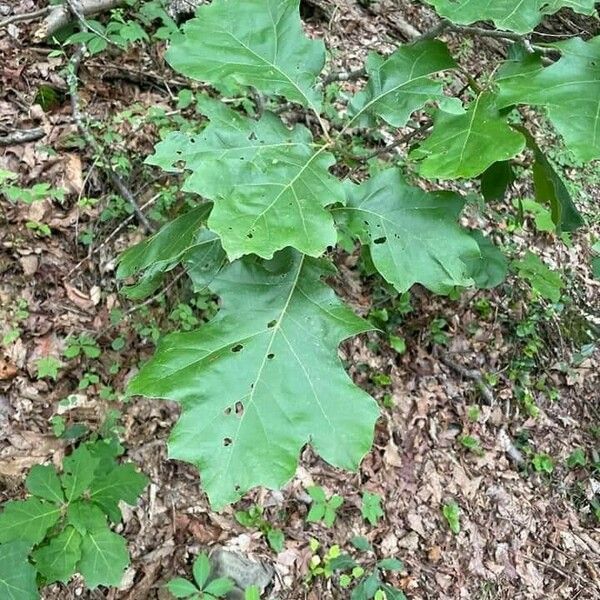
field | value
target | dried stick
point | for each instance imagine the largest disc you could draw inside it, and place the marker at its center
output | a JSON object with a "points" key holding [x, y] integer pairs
{"points": [[61, 15], [22, 17], [22, 136], [472, 374], [114, 177]]}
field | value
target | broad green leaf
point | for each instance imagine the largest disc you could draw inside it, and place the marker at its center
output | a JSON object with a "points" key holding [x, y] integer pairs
{"points": [[391, 564], [496, 180], [269, 184], [317, 493], [219, 587], [413, 235], [263, 379], [255, 43], [401, 83], [79, 470], [546, 282], [276, 539], [85, 516], [521, 16], [542, 217], [576, 76], [550, 188], [104, 558], [182, 588], [490, 268], [57, 559], [201, 570], [43, 482], [27, 520], [124, 482], [252, 593], [17, 576], [464, 146], [165, 248]]}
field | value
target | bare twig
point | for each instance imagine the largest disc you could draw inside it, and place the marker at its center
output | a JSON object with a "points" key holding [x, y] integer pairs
{"points": [[510, 449], [472, 374], [345, 76], [61, 15], [399, 142], [23, 17], [22, 136], [114, 177], [113, 233]]}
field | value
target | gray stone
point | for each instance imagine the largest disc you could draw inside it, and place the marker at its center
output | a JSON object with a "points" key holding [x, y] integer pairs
{"points": [[244, 571]]}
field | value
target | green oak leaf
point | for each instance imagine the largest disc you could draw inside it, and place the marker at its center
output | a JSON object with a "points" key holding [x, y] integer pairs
{"points": [[413, 236], [263, 378], [464, 146], [176, 242], [575, 75], [124, 483], [401, 83], [43, 482], [57, 560], [255, 43], [17, 576], [520, 16], [27, 520], [104, 558], [496, 180], [269, 184], [490, 268], [85, 517], [78, 474]]}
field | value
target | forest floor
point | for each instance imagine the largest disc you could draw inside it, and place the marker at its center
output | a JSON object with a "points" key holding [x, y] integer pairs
{"points": [[525, 533]]}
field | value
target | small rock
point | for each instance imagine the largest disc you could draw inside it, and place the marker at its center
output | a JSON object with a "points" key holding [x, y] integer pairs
{"points": [[244, 571]]}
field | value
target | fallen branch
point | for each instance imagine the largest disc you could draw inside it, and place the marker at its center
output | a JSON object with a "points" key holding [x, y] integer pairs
{"points": [[472, 374], [22, 136], [114, 177], [510, 449], [62, 15], [23, 17], [405, 139]]}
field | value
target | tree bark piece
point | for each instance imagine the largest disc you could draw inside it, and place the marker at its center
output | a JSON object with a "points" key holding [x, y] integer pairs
{"points": [[61, 15], [22, 136]]}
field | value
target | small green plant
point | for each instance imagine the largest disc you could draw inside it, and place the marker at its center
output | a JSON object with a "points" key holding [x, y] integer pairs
{"points": [[38, 228], [203, 588], [323, 508], [437, 331], [473, 413], [253, 517], [471, 443], [371, 508], [366, 578], [63, 527], [322, 565], [84, 345], [576, 459], [542, 463], [544, 281], [48, 367], [30, 195], [451, 512]]}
